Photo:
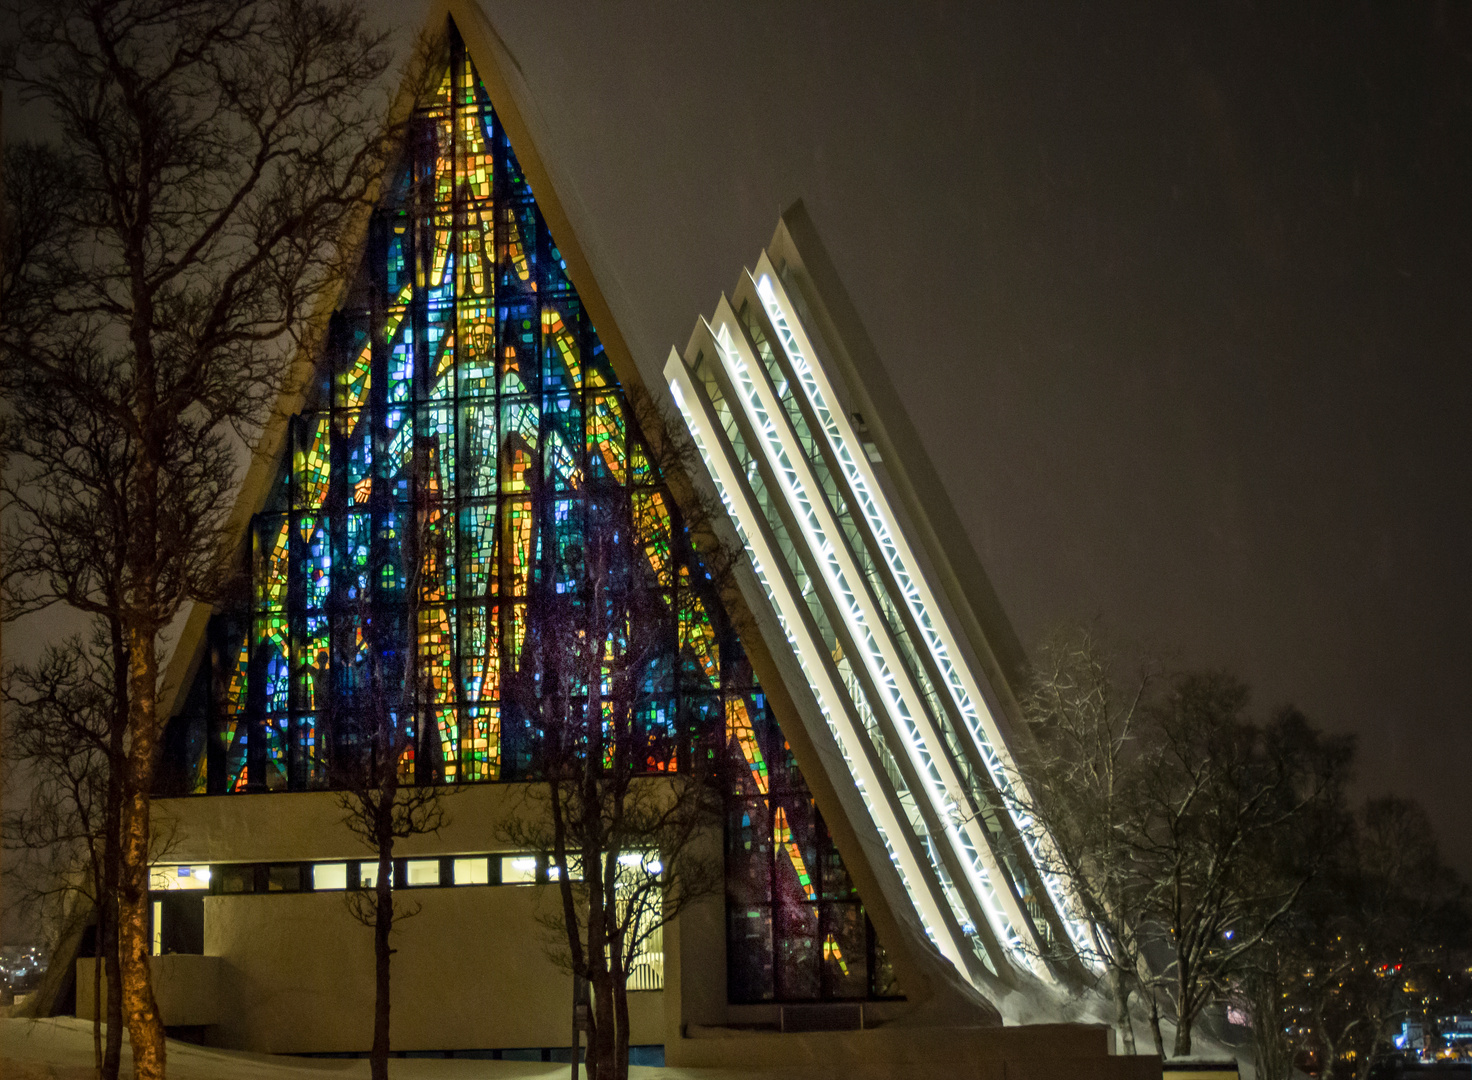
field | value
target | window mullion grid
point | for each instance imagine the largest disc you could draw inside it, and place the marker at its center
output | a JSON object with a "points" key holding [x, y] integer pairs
{"points": [[814, 563], [911, 865], [805, 563], [936, 634], [965, 753], [980, 868]]}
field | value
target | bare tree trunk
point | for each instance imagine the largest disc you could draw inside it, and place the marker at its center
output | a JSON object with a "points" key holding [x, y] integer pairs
{"points": [[112, 1059], [1366, 1063], [1183, 1035], [601, 985], [604, 1039], [383, 924], [619, 984], [621, 1031], [99, 908], [145, 1025], [1155, 1025], [1119, 988], [1330, 1069], [601, 1042]]}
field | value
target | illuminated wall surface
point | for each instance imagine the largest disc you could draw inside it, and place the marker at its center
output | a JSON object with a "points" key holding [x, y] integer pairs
{"points": [[463, 407], [894, 691]]}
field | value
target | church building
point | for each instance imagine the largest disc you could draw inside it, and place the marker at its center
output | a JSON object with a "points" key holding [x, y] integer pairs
{"points": [[887, 903]]}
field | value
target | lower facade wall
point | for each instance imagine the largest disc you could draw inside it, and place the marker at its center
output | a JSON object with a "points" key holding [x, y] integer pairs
{"points": [[899, 1052], [295, 974], [186, 989]]}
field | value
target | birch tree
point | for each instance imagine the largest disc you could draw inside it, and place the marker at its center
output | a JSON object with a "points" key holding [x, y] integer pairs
{"points": [[1077, 768], [211, 159], [63, 733], [624, 807], [1216, 794]]}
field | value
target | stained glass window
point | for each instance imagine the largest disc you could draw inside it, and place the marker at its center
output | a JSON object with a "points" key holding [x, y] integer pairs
{"points": [[464, 405]]}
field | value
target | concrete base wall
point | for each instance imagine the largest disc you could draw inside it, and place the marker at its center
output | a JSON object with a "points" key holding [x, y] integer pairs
{"points": [[292, 974], [897, 1052], [471, 972], [187, 989], [471, 969]]}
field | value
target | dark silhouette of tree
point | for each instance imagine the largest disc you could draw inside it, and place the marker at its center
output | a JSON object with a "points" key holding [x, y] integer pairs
{"points": [[1217, 792], [1376, 941], [386, 793], [211, 162], [65, 734], [626, 806], [1187, 831], [383, 805]]}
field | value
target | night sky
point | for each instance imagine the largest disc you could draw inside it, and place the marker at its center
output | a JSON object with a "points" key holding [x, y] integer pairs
{"points": [[1178, 297]]}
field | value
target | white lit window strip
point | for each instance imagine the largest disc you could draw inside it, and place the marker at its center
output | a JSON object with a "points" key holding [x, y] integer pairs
{"points": [[947, 810], [920, 610], [906, 799], [828, 559], [839, 508], [898, 634], [1026, 827], [869, 723], [675, 372]]}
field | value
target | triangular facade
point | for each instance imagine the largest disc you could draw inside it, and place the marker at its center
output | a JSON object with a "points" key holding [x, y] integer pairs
{"points": [[462, 400], [470, 385]]}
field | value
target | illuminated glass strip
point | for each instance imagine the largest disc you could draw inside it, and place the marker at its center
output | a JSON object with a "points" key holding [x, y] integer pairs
{"points": [[868, 722], [748, 530], [313, 463], [974, 857], [782, 838], [832, 952], [740, 731], [858, 473], [696, 632], [357, 380]]}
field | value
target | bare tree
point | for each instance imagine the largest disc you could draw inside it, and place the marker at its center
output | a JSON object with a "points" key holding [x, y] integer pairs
{"points": [[1270, 983], [1077, 770], [1187, 831], [1374, 939], [70, 497], [64, 734], [385, 789], [382, 805], [1262, 990], [626, 803], [212, 157], [1217, 793]]}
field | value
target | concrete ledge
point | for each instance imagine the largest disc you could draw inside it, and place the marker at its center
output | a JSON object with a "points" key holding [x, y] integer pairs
{"points": [[187, 988], [1036, 1052]]}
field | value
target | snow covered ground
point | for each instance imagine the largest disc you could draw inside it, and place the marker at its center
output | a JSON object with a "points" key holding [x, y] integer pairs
{"points": [[61, 1049]]}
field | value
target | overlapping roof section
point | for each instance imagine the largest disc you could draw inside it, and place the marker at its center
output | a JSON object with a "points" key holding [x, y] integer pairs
{"points": [[888, 683]]}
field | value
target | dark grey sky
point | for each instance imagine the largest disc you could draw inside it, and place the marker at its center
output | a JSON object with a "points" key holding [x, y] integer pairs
{"points": [[1177, 294]]}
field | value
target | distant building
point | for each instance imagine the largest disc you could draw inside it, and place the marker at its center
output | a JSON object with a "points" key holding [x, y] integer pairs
{"points": [[1456, 1030], [21, 969]]}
